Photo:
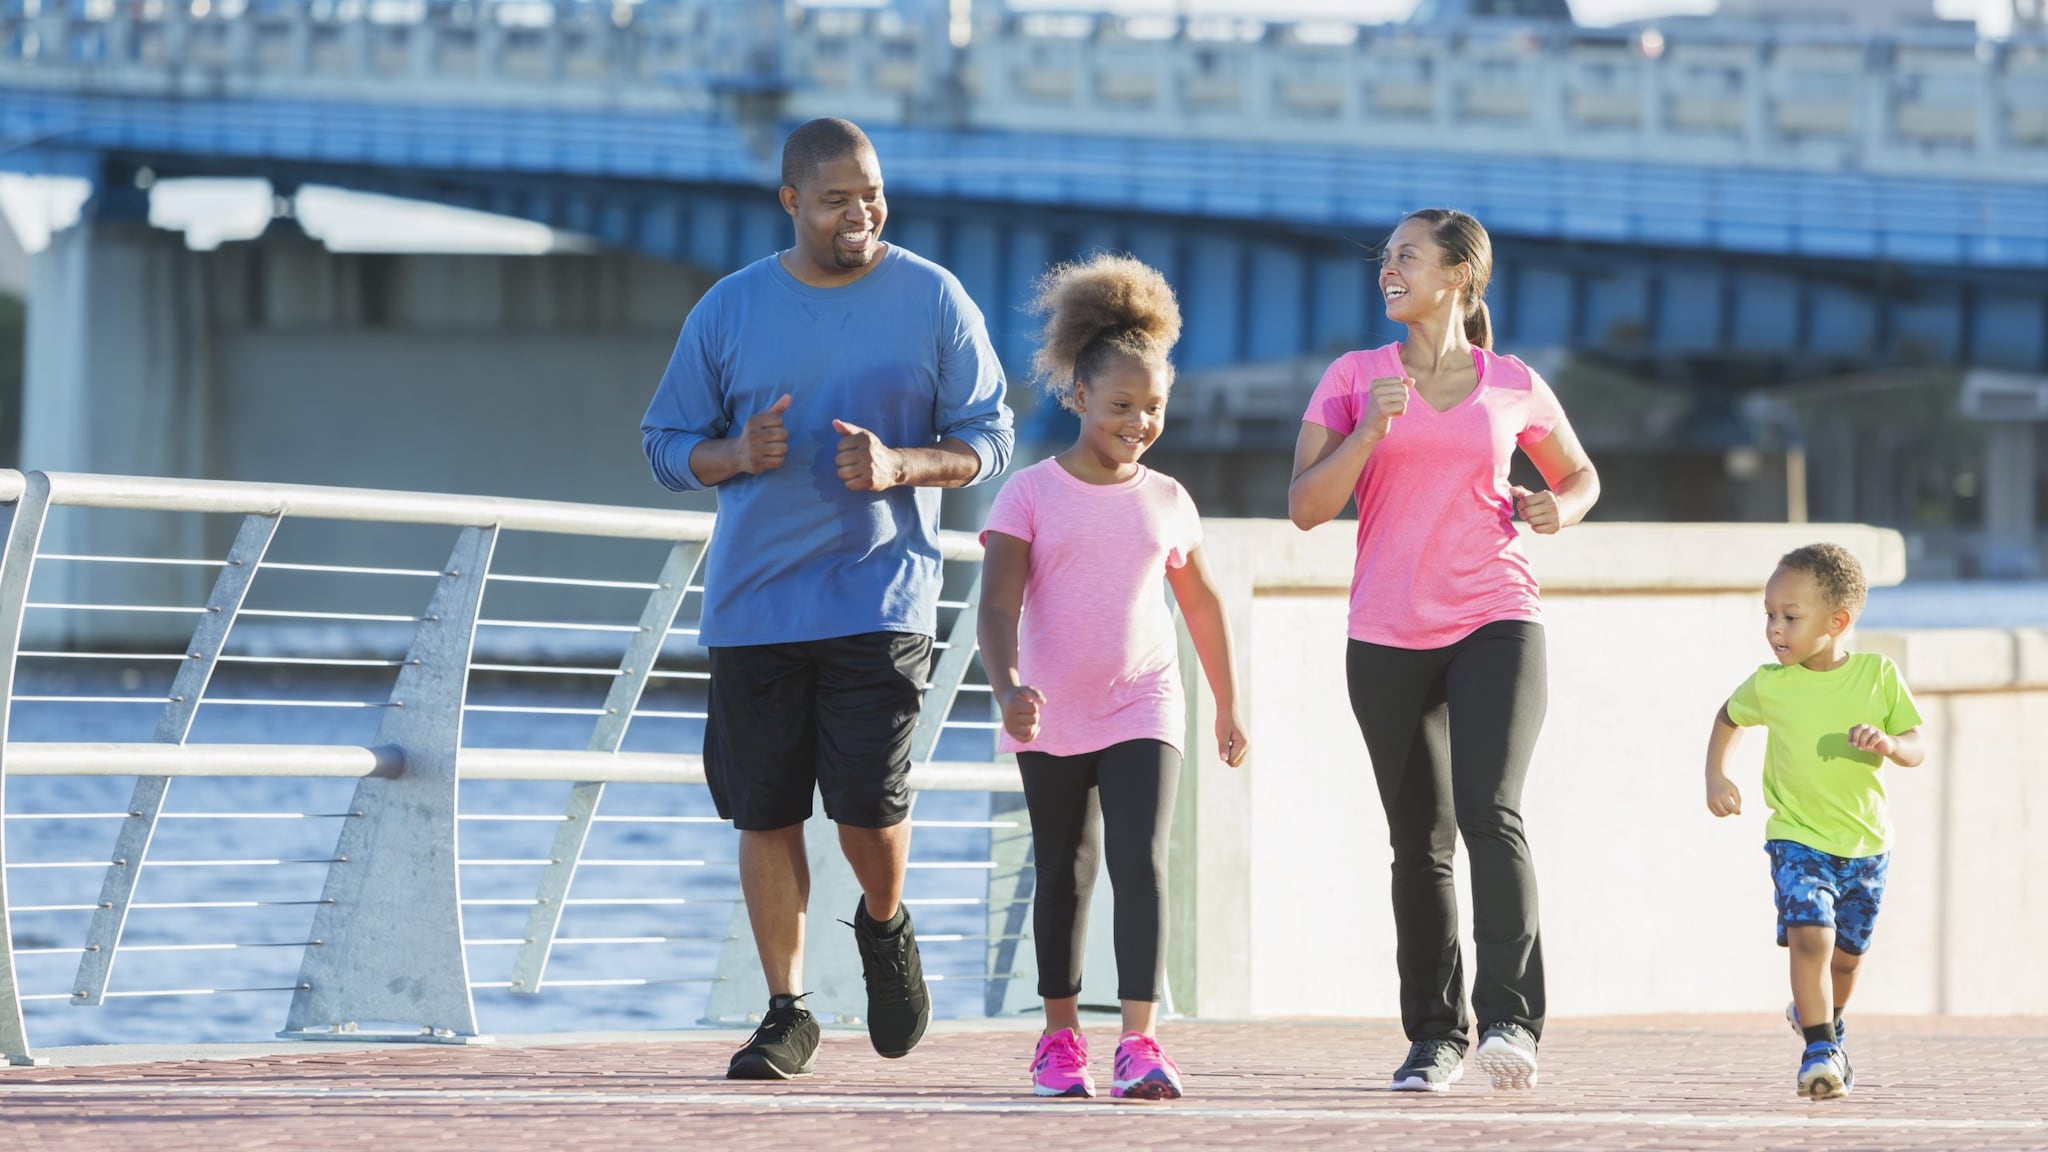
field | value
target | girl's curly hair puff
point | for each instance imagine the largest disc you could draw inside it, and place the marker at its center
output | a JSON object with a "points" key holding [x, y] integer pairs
{"points": [[1104, 307]]}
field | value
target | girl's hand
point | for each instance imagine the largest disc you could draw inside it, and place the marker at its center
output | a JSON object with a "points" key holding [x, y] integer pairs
{"points": [[1723, 798], [1388, 399], [1231, 742], [1537, 509], [1020, 712], [1871, 738]]}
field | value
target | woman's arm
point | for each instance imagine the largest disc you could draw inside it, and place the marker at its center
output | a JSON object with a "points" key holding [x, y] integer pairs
{"points": [[1326, 468], [1327, 462], [1202, 608], [1574, 485]]}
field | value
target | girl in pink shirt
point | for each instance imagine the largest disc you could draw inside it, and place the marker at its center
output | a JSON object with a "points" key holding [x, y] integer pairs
{"points": [[1445, 665], [1080, 648]]}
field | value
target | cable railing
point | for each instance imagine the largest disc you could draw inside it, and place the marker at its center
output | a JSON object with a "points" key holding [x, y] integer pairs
{"points": [[379, 829]]}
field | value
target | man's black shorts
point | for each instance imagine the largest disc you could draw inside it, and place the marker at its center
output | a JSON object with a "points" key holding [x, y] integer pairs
{"points": [[835, 714]]}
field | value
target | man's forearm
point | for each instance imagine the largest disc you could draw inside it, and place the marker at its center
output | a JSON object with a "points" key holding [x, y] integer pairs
{"points": [[950, 463], [713, 462]]}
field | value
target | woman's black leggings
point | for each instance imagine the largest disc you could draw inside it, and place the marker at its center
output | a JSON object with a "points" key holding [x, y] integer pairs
{"points": [[1131, 786], [1450, 731]]}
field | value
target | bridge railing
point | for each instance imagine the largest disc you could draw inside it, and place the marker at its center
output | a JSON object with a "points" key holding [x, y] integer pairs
{"points": [[1917, 99], [397, 764]]}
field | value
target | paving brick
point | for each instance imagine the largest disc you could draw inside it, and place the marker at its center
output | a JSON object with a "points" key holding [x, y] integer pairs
{"points": [[1683, 1083]]}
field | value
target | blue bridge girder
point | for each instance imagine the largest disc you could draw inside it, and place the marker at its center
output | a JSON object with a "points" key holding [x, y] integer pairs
{"points": [[1772, 248]]}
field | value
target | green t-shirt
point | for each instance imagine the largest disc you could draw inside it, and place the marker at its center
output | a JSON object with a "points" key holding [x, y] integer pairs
{"points": [[1822, 792]]}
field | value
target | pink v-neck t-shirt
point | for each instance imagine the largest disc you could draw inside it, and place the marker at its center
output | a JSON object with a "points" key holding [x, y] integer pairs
{"points": [[1096, 635], [1438, 553]]}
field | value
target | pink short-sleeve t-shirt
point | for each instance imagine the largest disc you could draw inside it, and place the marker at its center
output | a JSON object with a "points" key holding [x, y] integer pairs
{"points": [[1096, 635], [1438, 553]]}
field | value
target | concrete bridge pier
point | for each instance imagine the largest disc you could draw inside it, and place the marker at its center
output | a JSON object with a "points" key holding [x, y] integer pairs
{"points": [[276, 360], [119, 377]]}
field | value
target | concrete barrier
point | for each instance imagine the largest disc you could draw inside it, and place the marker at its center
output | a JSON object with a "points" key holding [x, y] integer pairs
{"points": [[1649, 903]]}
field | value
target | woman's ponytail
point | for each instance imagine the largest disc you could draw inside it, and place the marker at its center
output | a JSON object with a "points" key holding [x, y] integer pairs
{"points": [[1479, 324]]}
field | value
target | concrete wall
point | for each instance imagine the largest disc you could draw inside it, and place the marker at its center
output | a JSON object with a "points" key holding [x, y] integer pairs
{"points": [[1649, 903]]}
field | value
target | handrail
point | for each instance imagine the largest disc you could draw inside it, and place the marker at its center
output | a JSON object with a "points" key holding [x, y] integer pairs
{"points": [[385, 506], [387, 944]]}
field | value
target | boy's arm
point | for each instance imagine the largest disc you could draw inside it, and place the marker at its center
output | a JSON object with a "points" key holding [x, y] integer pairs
{"points": [[1202, 608], [1723, 798], [1907, 749]]}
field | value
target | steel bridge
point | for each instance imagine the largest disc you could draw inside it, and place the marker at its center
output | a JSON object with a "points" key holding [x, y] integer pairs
{"points": [[1736, 202]]}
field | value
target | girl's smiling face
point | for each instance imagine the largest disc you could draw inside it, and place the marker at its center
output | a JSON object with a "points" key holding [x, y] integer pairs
{"points": [[1123, 410]]}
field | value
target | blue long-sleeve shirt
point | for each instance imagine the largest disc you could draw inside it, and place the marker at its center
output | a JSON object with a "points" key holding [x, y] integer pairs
{"points": [[902, 352]]}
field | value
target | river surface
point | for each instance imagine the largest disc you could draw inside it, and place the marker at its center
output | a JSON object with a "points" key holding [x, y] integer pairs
{"points": [[290, 820]]}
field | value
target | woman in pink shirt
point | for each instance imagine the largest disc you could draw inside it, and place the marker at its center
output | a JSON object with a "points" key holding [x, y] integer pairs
{"points": [[1080, 649], [1445, 664]]}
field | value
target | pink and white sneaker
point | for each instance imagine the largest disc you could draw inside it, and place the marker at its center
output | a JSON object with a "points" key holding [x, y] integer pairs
{"points": [[1143, 1072], [1060, 1067]]}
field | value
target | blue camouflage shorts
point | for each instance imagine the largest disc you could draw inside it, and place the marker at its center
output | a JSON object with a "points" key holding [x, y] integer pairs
{"points": [[1837, 891]]}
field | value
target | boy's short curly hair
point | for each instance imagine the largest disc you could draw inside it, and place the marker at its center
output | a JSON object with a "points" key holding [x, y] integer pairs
{"points": [[1835, 570]]}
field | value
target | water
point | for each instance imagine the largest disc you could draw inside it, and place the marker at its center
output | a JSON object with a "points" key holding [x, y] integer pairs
{"points": [[693, 931]]}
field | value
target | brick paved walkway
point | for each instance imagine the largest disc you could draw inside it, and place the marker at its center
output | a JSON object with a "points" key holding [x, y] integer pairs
{"points": [[1678, 1083]]}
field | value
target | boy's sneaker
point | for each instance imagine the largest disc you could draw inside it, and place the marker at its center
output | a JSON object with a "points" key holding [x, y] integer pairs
{"points": [[784, 1047], [1060, 1066], [1432, 1066], [899, 1004], [1824, 1072], [1792, 1018], [1143, 1072], [1508, 1054]]}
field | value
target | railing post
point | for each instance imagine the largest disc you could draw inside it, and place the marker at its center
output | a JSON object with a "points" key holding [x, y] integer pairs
{"points": [[1012, 883], [146, 804], [17, 564], [387, 943], [831, 968], [656, 619]]}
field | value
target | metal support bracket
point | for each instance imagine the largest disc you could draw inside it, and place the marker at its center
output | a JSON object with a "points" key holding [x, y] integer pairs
{"points": [[131, 846], [543, 923], [17, 564], [391, 911]]}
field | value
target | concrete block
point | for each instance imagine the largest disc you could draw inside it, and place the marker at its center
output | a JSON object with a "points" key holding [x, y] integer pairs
{"points": [[1949, 659]]}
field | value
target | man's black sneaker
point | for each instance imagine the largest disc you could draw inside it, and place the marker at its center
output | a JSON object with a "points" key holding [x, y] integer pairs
{"points": [[1507, 1052], [784, 1047], [899, 1004], [1432, 1066]]}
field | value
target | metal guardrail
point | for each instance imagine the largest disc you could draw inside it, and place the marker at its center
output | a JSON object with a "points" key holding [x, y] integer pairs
{"points": [[1925, 101], [386, 945]]}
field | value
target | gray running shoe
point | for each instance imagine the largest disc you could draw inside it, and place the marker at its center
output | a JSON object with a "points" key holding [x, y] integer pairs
{"points": [[1432, 1066], [1508, 1054]]}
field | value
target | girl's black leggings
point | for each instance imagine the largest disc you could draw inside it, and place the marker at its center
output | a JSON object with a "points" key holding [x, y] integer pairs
{"points": [[1131, 786], [1450, 731]]}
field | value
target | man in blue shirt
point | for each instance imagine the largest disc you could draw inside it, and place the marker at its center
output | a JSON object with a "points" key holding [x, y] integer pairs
{"points": [[827, 392]]}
